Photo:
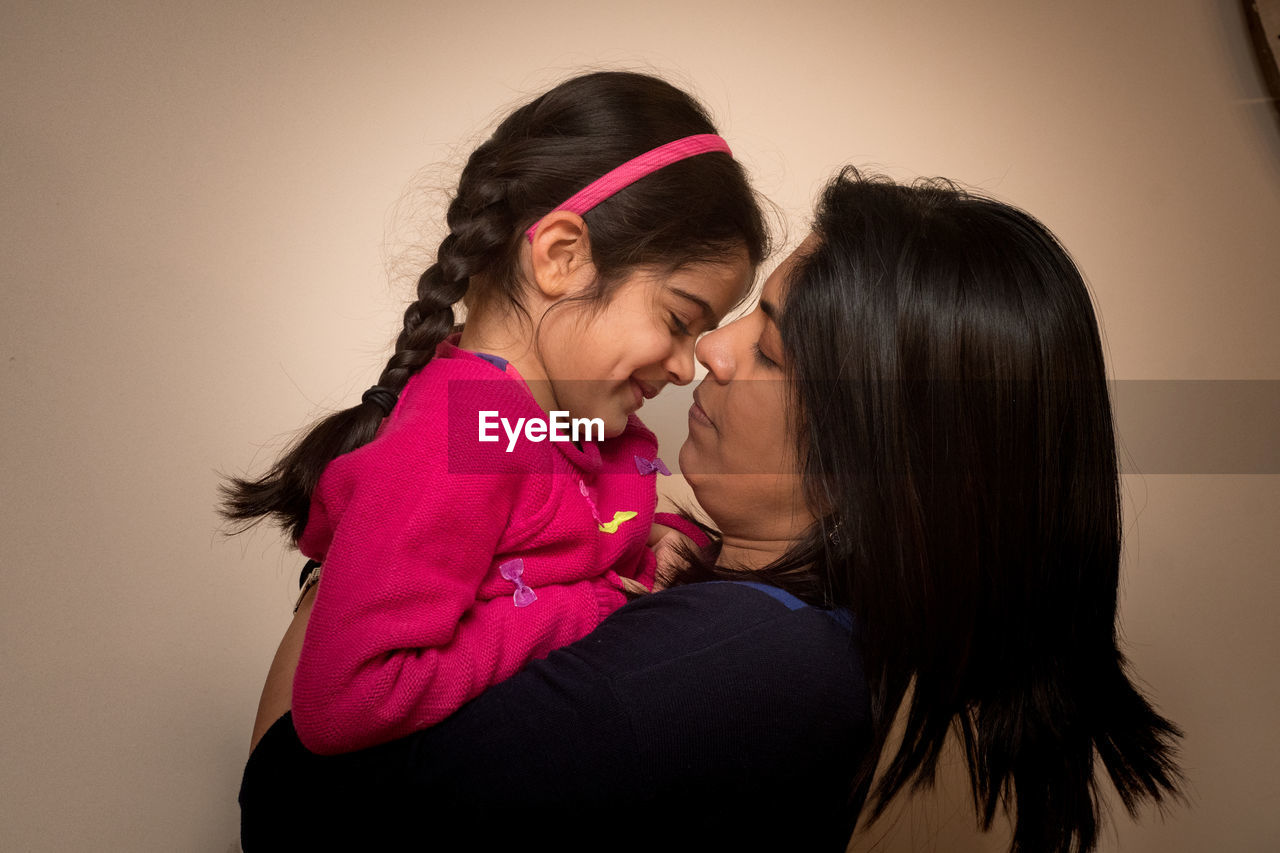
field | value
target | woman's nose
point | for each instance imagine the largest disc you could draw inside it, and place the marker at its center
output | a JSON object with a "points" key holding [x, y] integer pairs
{"points": [[715, 353]]}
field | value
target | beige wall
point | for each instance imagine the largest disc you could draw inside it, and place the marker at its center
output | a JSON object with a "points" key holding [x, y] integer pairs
{"points": [[202, 203]]}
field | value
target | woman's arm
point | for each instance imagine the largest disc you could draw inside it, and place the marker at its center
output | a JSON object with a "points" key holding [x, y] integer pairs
{"points": [[277, 693], [687, 704], [484, 636]]}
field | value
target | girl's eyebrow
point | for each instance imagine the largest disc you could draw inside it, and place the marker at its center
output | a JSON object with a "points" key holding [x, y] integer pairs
{"points": [[707, 314], [769, 310]]}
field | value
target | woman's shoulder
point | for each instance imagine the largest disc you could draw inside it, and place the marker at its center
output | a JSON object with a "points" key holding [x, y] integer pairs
{"points": [[716, 613], [739, 688], [731, 642], [723, 608]]}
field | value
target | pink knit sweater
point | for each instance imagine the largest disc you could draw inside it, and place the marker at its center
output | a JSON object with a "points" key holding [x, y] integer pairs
{"points": [[416, 530]]}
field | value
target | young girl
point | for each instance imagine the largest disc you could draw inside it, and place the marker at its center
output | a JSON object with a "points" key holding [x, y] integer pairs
{"points": [[599, 230]]}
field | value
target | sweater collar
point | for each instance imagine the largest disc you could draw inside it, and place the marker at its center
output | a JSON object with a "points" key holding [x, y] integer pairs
{"points": [[587, 460]]}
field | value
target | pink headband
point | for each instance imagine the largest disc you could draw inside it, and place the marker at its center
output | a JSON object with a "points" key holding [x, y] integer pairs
{"points": [[635, 169]]}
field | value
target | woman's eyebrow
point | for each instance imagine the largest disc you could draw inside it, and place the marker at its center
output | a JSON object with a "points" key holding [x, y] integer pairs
{"points": [[769, 310], [705, 307]]}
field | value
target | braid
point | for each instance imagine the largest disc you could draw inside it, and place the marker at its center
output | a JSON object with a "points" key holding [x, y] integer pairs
{"points": [[481, 225], [427, 322]]}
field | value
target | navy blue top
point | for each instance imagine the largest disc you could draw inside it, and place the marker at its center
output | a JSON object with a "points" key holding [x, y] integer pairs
{"points": [[718, 715]]}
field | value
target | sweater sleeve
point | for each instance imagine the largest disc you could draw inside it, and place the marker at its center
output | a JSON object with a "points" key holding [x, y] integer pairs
{"points": [[684, 526], [397, 639]]}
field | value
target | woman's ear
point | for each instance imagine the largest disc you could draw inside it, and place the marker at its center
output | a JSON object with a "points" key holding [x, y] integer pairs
{"points": [[560, 255]]}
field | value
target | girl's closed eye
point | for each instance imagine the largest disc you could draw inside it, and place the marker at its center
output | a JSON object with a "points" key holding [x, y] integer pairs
{"points": [[679, 326]]}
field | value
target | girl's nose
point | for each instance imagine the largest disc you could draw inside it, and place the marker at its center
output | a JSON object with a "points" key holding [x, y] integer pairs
{"points": [[715, 352], [680, 365]]}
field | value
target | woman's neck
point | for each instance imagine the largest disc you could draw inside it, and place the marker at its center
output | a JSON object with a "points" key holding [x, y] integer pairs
{"points": [[742, 552], [757, 524]]}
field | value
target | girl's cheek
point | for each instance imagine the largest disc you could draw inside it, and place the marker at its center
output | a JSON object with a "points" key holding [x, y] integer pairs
{"points": [[659, 348]]}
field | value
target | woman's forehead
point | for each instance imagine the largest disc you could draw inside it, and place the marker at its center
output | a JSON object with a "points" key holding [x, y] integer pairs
{"points": [[776, 285]]}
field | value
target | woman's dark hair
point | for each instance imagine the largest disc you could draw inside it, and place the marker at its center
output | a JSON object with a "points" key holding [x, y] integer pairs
{"points": [[955, 438], [697, 210]]}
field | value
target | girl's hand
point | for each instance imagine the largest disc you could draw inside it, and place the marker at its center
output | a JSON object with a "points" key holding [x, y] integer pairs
{"points": [[631, 586], [667, 545], [657, 532]]}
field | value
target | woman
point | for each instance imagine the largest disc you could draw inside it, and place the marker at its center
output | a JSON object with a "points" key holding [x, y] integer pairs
{"points": [[907, 449]]}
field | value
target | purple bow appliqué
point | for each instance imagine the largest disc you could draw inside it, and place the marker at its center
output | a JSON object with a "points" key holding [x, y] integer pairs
{"points": [[647, 466], [512, 570]]}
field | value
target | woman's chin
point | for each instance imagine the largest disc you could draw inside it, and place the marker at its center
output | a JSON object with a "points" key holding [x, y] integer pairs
{"points": [[692, 467]]}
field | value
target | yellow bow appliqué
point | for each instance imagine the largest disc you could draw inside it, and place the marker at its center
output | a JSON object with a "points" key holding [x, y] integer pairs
{"points": [[618, 518]]}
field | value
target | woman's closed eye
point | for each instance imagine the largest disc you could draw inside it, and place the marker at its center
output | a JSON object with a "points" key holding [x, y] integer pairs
{"points": [[761, 358]]}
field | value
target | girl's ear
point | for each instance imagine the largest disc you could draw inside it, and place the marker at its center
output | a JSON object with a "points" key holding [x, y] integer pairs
{"points": [[560, 256]]}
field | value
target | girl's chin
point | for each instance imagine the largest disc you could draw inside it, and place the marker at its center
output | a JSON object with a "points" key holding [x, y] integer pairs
{"points": [[615, 423], [615, 426]]}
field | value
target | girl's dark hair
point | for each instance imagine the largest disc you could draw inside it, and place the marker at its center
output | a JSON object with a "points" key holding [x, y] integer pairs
{"points": [[955, 439], [697, 210]]}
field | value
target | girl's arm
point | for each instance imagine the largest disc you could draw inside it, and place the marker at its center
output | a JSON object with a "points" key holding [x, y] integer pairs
{"points": [[667, 523], [355, 695], [277, 692], [668, 536], [398, 639]]}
